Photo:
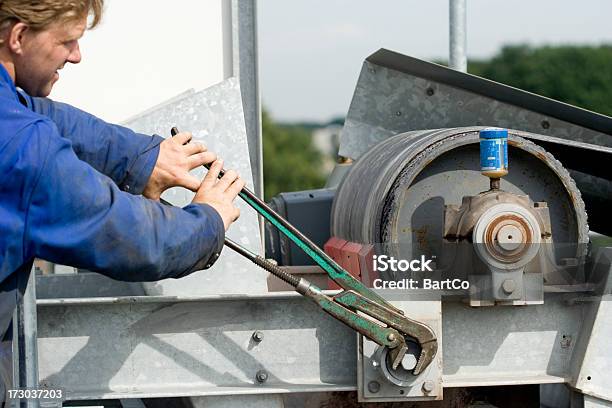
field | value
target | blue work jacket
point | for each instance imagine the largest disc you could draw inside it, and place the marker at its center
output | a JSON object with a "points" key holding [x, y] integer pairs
{"points": [[69, 185]]}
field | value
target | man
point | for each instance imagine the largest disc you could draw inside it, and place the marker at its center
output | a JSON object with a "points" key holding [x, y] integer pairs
{"points": [[69, 182]]}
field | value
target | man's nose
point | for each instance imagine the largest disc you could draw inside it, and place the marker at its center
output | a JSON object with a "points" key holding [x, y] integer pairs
{"points": [[75, 55]]}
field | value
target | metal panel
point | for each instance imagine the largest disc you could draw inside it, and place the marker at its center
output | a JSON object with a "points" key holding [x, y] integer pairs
{"points": [[141, 347], [592, 362], [155, 347], [509, 345], [396, 93], [373, 385], [25, 359], [592, 402], [250, 401], [215, 118]]}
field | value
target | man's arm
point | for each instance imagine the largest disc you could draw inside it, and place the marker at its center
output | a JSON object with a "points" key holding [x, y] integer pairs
{"points": [[78, 217], [123, 155]]}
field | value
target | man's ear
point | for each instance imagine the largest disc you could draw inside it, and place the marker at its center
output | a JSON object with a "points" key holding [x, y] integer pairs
{"points": [[15, 37]]}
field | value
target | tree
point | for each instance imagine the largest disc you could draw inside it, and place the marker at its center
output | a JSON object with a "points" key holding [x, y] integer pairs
{"points": [[578, 75], [290, 161]]}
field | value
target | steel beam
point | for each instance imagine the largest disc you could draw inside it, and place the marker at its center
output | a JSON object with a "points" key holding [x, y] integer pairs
{"points": [[143, 347]]}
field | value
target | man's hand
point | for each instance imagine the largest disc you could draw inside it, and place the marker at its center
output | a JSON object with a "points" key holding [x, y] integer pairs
{"points": [[220, 193], [176, 158]]}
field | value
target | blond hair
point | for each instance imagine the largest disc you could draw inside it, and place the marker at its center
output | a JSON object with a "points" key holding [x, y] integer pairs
{"points": [[40, 14]]}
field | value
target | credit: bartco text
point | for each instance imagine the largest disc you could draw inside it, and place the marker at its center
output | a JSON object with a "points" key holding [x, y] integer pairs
{"points": [[430, 284]]}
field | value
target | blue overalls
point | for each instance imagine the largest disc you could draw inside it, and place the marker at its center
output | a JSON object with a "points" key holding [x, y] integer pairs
{"points": [[68, 194]]}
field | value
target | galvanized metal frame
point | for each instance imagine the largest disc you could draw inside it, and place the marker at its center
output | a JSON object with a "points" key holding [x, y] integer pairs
{"points": [[205, 345]]}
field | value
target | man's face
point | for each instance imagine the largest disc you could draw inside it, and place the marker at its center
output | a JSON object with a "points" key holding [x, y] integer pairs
{"points": [[44, 53]]}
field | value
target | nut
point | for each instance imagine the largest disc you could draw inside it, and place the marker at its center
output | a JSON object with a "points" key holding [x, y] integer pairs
{"points": [[428, 386], [509, 286], [257, 336], [261, 376], [409, 361], [373, 387]]}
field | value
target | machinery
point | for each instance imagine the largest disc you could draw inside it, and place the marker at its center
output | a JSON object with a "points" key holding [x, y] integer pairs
{"points": [[516, 233], [522, 294]]}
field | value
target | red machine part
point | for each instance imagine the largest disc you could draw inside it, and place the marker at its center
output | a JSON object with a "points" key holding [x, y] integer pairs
{"points": [[354, 257]]}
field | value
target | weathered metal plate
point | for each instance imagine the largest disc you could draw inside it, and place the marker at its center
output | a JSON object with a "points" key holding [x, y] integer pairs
{"points": [[592, 362], [396, 93], [369, 367], [215, 117], [154, 347]]}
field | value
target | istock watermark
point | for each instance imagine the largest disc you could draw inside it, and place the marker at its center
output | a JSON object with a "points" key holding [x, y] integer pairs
{"points": [[384, 263], [393, 266]]}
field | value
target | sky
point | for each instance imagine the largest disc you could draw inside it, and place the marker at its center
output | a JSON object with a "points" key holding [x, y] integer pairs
{"points": [[310, 51]]}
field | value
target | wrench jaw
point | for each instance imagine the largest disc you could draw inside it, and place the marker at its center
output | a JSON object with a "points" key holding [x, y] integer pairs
{"points": [[426, 356], [405, 326], [428, 352], [398, 353]]}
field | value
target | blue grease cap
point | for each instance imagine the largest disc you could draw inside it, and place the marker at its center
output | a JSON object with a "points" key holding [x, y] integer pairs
{"points": [[494, 133]]}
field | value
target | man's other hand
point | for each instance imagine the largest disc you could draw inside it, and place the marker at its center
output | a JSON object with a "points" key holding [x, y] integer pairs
{"points": [[176, 158], [220, 193]]}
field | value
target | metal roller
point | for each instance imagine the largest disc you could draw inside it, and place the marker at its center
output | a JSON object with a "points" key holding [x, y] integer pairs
{"points": [[396, 192]]}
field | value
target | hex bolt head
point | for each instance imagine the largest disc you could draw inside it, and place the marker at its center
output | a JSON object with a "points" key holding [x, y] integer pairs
{"points": [[257, 336], [261, 376], [509, 286], [373, 387], [409, 361], [428, 386], [391, 337]]}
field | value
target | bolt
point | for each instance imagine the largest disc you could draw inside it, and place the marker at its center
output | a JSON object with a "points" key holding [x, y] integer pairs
{"points": [[261, 376], [398, 113], [375, 364], [258, 336], [429, 91], [545, 124], [373, 387], [391, 337], [428, 386], [409, 361], [509, 286]]}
